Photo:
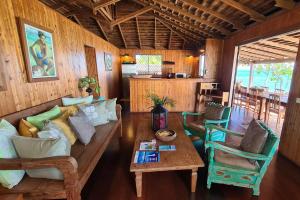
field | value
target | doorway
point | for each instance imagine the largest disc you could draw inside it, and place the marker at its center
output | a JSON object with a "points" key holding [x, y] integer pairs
{"points": [[91, 63], [262, 79]]}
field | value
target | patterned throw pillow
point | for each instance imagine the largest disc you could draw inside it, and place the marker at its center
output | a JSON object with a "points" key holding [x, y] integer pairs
{"points": [[96, 113], [111, 109], [8, 178]]}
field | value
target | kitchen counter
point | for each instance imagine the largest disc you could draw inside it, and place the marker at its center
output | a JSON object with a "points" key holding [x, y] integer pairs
{"points": [[181, 90]]}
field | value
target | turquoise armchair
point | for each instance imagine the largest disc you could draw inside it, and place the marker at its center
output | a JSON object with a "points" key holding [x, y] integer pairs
{"points": [[241, 172], [200, 132]]}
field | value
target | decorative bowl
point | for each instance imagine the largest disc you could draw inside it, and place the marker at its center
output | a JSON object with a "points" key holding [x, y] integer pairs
{"points": [[165, 135]]}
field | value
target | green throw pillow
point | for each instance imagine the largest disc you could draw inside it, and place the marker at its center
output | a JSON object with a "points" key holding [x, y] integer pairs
{"points": [[8, 178], [42, 148], [38, 120], [79, 100]]}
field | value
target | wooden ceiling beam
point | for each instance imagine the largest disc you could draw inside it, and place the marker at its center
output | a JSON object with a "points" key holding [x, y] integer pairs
{"points": [[103, 4], [235, 23], [101, 29], [122, 36], [260, 52], [271, 50], [131, 15], [245, 52], [289, 39], [77, 20], [285, 4], [194, 17], [170, 39], [180, 33], [165, 14], [155, 39], [249, 11], [106, 14], [138, 31], [278, 45]]}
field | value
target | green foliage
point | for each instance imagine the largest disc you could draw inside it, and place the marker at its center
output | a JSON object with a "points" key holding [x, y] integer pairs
{"points": [[160, 101], [89, 82]]}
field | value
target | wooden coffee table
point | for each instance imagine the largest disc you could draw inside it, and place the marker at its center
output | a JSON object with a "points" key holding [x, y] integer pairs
{"points": [[184, 158]]}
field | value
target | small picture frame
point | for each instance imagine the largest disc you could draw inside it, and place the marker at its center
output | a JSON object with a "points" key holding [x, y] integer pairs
{"points": [[108, 61]]}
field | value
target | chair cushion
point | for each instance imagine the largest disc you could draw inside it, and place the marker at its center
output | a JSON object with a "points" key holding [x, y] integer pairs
{"points": [[214, 111], [83, 128], [233, 160], [197, 125], [255, 138], [78, 100]]}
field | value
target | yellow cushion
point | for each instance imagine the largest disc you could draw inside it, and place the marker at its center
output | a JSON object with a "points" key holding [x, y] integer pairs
{"points": [[71, 110], [63, 124], [27, 129]]}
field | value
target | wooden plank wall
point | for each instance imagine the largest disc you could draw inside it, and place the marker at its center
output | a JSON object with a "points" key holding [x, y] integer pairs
{"points": [[189, 65], [280, 23], [70, 39], [213, 56]]}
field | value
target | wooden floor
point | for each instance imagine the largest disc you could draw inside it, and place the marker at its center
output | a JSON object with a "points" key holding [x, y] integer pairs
{"points": [[111, 179]]}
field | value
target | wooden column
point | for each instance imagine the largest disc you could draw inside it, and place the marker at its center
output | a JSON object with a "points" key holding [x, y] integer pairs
{"points": [[290, 137]]}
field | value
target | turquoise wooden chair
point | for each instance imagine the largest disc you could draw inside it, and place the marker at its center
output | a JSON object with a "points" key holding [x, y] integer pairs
{"points": [[200, 132], [218, 172]]}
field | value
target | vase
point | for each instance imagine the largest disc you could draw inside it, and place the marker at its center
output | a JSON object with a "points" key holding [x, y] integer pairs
{"points": [[89, 90], [159, 118]]}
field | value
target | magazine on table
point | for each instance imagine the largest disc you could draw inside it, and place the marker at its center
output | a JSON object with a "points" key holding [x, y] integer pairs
{"points": [[149, 145], [146, 157], [167, 148]]}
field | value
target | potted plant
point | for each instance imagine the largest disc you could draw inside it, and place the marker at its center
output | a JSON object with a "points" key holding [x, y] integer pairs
{"points": [[90, 83], [159, 112]]}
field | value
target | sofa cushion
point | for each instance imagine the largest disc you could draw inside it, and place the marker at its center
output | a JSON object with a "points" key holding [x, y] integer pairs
{"points": [[233, 160], [255, 138], [51, 130], [42, 148], [38, 120], [67, 101], [63, 124], [96, 113], [214, 111], [26, 129], [82, 127], [8, 178]]}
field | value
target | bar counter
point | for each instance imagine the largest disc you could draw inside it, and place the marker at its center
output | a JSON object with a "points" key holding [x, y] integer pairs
{"points": [[181, 90]]}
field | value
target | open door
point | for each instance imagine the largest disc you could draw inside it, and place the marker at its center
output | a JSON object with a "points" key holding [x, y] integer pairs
{"points": [[91, 62]]}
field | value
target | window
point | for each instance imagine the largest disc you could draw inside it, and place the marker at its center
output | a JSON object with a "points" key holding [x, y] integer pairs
{"points": [[202, 65], [148, 64]]}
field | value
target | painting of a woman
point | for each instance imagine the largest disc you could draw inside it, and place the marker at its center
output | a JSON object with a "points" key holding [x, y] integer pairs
{"points": [[38, 49]]}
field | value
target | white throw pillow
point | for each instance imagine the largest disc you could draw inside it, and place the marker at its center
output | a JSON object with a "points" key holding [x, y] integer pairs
{"points": [[68, 101], [8, 178]]}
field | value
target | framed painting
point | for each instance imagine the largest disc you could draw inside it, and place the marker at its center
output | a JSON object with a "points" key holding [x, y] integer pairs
{"points": [[108, 61], [39, 51]]}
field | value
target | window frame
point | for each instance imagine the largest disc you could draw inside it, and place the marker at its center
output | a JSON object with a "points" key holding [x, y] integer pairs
{"points": [[148, 65]]}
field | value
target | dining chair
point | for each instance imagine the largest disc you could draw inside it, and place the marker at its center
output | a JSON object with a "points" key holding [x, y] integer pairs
{"points": [[279, 91], [243, 97], [236, 94], [265, 88], [254, 100], [274, 106]]}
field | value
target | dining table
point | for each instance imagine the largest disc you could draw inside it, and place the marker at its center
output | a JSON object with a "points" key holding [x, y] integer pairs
{"points": [[264, 99]]}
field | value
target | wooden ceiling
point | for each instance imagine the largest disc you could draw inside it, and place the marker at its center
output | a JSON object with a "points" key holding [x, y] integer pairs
{"points": [[165, 24], [280, 48]]}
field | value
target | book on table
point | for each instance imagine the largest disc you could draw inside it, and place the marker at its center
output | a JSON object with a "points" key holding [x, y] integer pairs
{"points": [[148, 145], [167, 148]]}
